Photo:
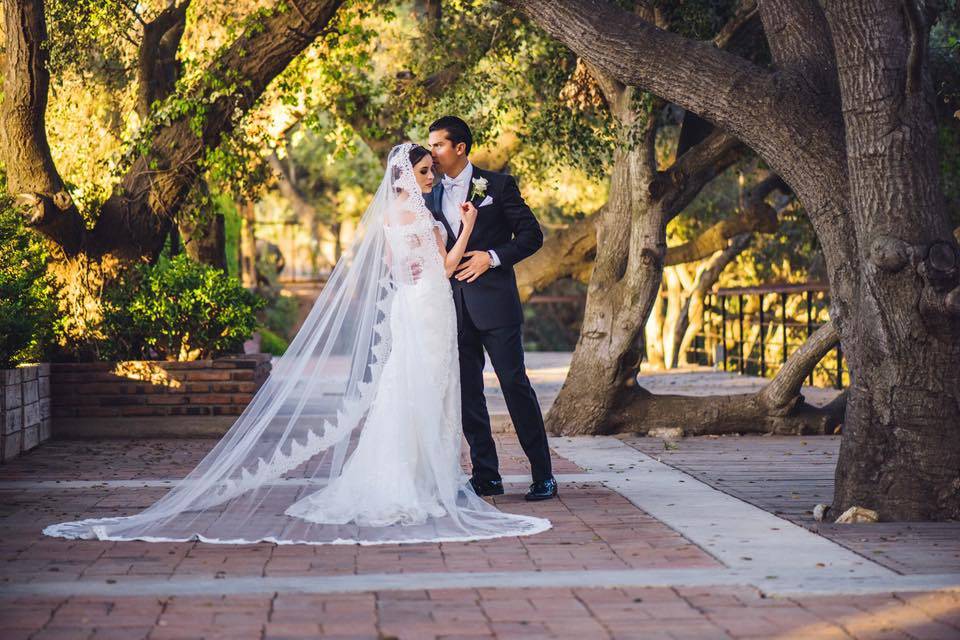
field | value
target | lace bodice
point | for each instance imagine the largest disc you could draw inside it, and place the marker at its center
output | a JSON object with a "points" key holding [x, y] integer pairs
{"points": [[411, 241]]}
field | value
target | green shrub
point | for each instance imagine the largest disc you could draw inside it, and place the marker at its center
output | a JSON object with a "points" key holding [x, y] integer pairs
{"points": [[272, 343], [27, 301], [178, 310], [280, 313]]}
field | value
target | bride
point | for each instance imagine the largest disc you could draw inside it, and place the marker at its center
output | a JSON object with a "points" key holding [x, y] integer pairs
{"points": [[356, 435]]}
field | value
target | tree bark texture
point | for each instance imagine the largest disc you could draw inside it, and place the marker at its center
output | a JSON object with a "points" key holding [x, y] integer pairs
{"points": [[900, 453], [32, 178]]}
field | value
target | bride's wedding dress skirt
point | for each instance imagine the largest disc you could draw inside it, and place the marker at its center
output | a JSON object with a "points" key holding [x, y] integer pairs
{"points": [[403, 481]]}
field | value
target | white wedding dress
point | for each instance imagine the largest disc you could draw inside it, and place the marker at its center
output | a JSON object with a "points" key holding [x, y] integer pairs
{"points": [[356, 436], [406, 465]]}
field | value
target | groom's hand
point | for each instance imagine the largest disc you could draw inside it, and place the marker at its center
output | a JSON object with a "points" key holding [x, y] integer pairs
{"points": [[475, 266]]}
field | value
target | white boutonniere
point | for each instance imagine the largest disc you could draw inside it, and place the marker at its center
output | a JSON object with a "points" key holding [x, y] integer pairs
{"points": [[479, 187]]}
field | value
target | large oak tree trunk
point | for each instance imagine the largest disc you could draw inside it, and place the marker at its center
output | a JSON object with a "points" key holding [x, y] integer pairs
{"points": [[628, 269], [569, 252], [203, 232], [901, 448], [205, 239], [566, 253], [626, 277]]}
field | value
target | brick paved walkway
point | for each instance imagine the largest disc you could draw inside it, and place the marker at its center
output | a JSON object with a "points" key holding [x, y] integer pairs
{"points": [[594, 527], [650, 613], [609, 569]]}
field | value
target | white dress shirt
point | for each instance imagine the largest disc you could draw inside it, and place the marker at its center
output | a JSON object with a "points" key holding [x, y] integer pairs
{"points": [[455, 192]]}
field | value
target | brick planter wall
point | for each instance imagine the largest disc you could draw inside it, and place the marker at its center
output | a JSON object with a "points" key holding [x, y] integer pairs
{"points": [[24, 409], [153, 399]]}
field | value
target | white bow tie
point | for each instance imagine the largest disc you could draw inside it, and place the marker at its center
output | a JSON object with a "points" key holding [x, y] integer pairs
{"points": [[449, 183]]}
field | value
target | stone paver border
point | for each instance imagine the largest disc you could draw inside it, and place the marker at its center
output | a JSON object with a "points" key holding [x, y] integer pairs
{"points": [[790, 584], [740, 535]]}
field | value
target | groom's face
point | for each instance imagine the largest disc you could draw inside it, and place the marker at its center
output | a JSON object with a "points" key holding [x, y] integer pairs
{"points": [[445, 153]]}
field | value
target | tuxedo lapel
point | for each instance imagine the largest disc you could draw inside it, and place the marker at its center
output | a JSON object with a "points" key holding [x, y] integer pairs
{"points": [[438, 204], [436, 197], [470, 186]]}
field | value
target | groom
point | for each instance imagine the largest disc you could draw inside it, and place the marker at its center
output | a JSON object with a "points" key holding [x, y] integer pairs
{"points": [[485, 295]]}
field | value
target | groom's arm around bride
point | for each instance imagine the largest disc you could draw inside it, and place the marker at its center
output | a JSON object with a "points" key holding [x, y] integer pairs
{"points": [[527, 236]]}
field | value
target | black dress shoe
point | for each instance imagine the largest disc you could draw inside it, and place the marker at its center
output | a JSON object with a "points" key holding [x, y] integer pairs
{"points": [[487, 487], [543, 490]]}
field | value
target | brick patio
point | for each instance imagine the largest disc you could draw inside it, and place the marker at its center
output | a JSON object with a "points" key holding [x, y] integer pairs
{"points": [[724, 612], [608, 569]]}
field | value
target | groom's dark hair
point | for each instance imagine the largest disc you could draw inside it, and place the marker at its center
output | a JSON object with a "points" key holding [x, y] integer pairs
{"points": [[457, 130]]}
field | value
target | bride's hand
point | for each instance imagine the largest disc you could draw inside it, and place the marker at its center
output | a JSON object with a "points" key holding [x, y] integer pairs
{"points": [[468, 214]]}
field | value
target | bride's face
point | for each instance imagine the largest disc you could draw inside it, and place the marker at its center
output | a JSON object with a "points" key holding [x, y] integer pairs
{"points": [[423, 171]]}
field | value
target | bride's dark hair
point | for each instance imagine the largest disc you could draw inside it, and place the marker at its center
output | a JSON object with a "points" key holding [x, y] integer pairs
{"points": [[417, 153]]}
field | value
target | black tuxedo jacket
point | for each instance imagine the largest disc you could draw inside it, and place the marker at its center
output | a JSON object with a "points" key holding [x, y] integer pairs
{"points": [[509, 228]]}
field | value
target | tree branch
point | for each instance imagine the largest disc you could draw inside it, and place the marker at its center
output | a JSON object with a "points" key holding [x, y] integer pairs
{"points": [[783, 392], [132, 8], [745, 17], [799, 134], [611, 88], [568, 252], [681, 70], [157, 64], [700, 164], [759, 217], [32, 177], [799, 39], [777, 408], [762, 219]]}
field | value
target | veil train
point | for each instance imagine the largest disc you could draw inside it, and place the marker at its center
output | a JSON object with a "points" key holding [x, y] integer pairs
{"points": [[265, 480]]}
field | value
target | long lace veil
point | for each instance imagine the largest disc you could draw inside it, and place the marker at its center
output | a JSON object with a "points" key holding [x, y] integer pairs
{"points": [[295, 434]]}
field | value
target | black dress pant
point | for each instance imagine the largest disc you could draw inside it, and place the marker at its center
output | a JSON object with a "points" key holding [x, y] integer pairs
{"points": [[505, 347]]}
